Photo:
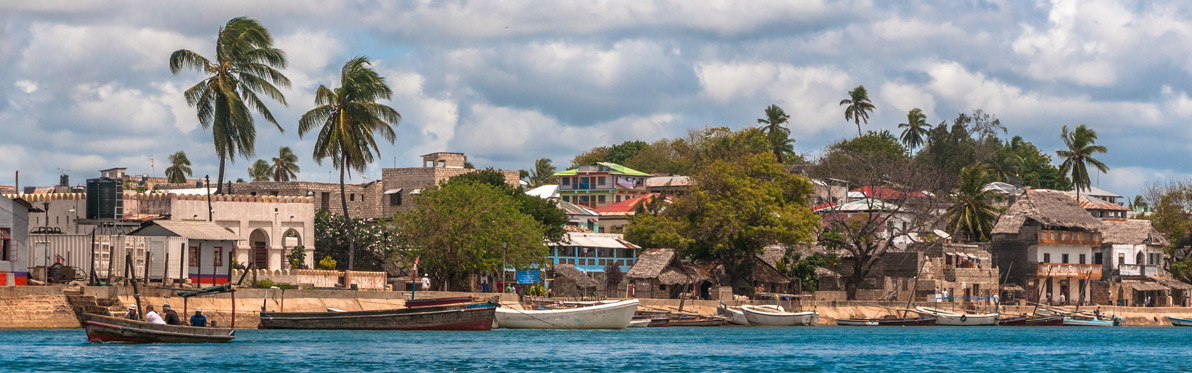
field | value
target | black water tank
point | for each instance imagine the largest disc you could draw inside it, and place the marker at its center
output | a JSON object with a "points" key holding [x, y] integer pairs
{"points": [[105, 199]]}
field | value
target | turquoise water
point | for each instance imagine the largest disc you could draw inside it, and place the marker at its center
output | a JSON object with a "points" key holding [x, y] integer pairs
{"points": [[645, 349]]}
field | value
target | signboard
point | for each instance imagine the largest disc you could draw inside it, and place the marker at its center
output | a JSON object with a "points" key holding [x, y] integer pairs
{"points": [[528, 276]]}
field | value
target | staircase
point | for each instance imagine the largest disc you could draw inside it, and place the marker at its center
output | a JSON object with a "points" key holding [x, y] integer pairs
{"points": [[87, 304]]}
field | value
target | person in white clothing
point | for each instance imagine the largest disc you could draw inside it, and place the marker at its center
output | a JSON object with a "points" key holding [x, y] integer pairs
{"points": [[152, 316], [425, 283]]}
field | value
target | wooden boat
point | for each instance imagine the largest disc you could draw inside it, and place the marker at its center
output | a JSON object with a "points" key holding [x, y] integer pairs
{"points": [[733, 315], [432, 302], [1179, 322], [690, 321], [604, 316], [767, 316], [906, 321], [856, 322], [659, 322], [476, 317], [1073, 321], [107, 329], [1032, 321], [946, 318], [639, 323]]}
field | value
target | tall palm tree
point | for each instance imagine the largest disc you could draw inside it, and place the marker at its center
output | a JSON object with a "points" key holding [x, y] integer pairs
{"points": [[915, 129], [777, 135], [259, 171], [858, 107], [1138, 203], [179, 168], [1080, 149], [971, 212], [245, 65], [542, 174], [347, 118], [1004, 164], [285, 165]]}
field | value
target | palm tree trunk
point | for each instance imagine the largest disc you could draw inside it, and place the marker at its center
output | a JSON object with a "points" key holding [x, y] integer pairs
{"points": [[219, 180], [858, 128], [343, 199]]}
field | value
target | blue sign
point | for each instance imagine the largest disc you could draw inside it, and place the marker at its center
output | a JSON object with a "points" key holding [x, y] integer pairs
{"points": [[528, 276]]}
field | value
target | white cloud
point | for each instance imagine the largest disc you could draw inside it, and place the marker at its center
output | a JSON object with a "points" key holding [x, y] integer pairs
{"points": [[905, 97], [26, 86]]}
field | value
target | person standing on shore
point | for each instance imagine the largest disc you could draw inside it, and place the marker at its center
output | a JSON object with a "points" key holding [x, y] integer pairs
{"points": [[198, 319], [484, 283], [425, 283], [152, 316]]}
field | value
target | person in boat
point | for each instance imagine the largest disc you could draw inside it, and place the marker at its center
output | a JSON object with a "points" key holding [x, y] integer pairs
{"points": [[152, 316], [198, 319], [1098, 312], [170, 316], [132, 313]]}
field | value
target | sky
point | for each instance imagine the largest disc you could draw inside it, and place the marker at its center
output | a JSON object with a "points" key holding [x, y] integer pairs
{"points": [[85, 85]]}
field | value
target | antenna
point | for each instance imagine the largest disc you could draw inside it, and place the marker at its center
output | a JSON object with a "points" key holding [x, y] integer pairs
{"points": [[152, 167], [62, 171]]}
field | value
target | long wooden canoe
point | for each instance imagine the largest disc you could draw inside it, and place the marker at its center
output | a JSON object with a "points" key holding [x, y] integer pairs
{"points": [[474, 317], [432, 302], [107, 329]]}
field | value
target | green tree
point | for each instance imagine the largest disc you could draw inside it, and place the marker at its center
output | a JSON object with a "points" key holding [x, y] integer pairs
{"points": [[803, 267], [179, 168], [245, 66], [467, 228], [542, 174], [1138, 203], [285, 165], [1036, 167], [1080, 144], [622, 152], [259, 171], [779, 136], [347, 119], [1004, 165], [377, 243], [876, 145], [971, 213], [857, 107], [915, 129], [543, 211], [737, 208]]}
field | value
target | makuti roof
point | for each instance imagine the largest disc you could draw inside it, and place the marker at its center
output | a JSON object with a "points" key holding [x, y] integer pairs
{"points": [[1131, 232], [616, 169], [1048, 208]]}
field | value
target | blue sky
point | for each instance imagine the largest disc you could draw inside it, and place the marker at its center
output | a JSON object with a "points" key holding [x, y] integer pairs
{"points": [[85, 85]]}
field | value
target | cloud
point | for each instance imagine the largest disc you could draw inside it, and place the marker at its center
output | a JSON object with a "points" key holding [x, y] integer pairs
{"points": [[26, 86]]}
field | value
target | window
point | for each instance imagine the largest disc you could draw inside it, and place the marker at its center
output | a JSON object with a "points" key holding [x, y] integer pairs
{"points": [[395, 199], [1046, 257], [1121, 258], [1097, 259], [566, 198], [1065, 258], [7, 250], [601, 180], [600, 199], [218, 256], [1081, 258], [352, 197], [566, 181], [618, 199], [194, 256]]}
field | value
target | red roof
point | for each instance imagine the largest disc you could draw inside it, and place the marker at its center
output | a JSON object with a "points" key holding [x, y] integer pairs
{"points": [[624, 207], [880, 192], [823, 206]]}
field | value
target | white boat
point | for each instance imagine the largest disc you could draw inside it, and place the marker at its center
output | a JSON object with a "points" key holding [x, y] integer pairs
{"points": [[735, 316], [1070, 321], [945, 318], [604, 316], [1179, 322], [769, 316], [639, 323]]}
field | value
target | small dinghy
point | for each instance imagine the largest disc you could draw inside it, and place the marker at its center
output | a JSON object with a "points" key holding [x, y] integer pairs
{"points": [[946, 318], [766, 316], [1179, 322], [856, 322], [616, 315]]}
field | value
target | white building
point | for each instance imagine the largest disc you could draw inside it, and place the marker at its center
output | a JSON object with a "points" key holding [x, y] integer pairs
{"points": [[196, 250], [14, 244], [1132, 248]]}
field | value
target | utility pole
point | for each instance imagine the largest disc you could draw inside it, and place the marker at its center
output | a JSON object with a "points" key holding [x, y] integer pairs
{"points": [[207, 183], [503, 264]]}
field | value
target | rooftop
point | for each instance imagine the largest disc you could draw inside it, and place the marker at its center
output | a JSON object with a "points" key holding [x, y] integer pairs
{"points": [[614, 169], [1047, 207]]}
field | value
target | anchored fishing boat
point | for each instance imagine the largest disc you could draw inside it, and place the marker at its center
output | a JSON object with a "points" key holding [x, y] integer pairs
{"points": [[107, 329], [769, 316], [1179, 322], [1032, 321], [1083, 321], [432, 302], [473, 317], [856, 322], [616, 315], [946, 318]]}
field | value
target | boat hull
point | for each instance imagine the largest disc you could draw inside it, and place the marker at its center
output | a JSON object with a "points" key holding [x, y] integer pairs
{"points": [[856, 322], [1179, 322], [435, 302], [769, 317], [106, 329], [477, 317], [1032, 321], [918, 321], [1068, 321], [693, 322], [734, 316], [944, 318], [605, 316]]}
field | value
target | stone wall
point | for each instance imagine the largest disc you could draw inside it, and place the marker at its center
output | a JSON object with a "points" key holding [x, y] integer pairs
{"points": [[364, 200], [35, 307], [319, 278]]}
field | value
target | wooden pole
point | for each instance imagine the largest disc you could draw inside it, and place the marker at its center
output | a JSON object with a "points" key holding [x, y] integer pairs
{"points": [[165, 270], [148, 255], [231, 255], [136, 290], [199, 265], [915, 288], [94, 278], [233, 307]]}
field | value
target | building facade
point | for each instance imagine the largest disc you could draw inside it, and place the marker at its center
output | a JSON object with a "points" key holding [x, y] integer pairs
{"points": [[600, 184], [14, 242], [1054, 245], [591, 252]]}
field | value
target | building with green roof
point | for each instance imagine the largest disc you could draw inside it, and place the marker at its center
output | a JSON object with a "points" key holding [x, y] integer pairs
{"points": [[600, 184]]}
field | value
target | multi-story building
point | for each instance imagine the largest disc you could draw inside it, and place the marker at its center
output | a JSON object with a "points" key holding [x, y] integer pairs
{"points": [[1132, 248], [591, 252], [601, 184], [1051, 246], [14, 247]]}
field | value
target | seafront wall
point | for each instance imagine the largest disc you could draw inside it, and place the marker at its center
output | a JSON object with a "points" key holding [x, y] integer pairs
{"points": [[48, 307]]}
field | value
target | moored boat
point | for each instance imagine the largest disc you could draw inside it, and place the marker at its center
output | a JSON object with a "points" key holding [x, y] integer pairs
{"points": [[476, 317], [432, 302], [639, 323], [767, 316], [107, 329], [733, 315], [945, 318], [1032, 321], [1179, 322], [907, 321], [603, 316], [1072, 321], [856, 322]]}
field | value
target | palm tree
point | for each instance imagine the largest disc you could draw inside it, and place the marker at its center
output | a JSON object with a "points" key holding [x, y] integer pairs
{"points": [[245, 65], [179, 168], [971, 212], [1004, 164], [858, 107], [1079, 153], [347, 118], [259, 171], [777, 135], [1138, 203], [542, 174], [285, 165], [915, 129]]}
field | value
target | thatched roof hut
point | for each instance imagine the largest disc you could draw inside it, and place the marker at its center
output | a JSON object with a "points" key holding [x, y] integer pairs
{"points": [[1132, 232], [570, 273], [1048, 208]]}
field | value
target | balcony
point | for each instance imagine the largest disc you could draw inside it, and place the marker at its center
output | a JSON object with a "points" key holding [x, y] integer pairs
{"points": [[1069, 238], [1093, 271], [1138, 270]]}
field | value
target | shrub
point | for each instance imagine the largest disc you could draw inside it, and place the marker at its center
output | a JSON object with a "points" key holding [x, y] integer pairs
{"points": [[297, 256], [327, 263], [264, 283], [536, 290], [285, 285]]}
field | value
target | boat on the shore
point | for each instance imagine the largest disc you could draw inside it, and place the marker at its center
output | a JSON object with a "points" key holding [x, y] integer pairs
{"points": [[733, 315], [1031, 321], [616, 315], [107, 329], [639, 323], [1179, 322], [768, 316], [474, 317], [433, 302], [946, 318], [856, 322], [1082, 321], [692, 321]]}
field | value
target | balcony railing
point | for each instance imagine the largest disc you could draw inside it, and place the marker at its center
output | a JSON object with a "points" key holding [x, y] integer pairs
{"points": [[1138, 270], [1069, 238], [1093, 271]]}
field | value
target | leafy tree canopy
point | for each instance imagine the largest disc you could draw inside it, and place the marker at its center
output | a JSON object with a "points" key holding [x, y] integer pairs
{"points": [[376, 241], [545, 212]]}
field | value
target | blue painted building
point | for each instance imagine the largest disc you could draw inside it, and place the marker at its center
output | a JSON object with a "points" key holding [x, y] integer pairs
{"points": [[591, 252]]}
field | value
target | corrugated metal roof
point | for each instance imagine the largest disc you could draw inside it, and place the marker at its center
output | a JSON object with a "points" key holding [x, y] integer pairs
{"points": [[615, 169], [599, 240], [198, 230]]}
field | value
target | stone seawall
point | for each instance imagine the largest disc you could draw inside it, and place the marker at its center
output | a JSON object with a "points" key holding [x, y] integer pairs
{"points": [[35, 307]]}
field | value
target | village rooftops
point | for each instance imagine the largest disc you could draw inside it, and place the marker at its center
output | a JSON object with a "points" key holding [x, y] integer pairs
{"points": [[574, 209], [626, 207], [597, 240], [545, 191], [609, 167], [1131, 232], [1049, 208], [570, 272], [198, 230], [881, 192]]}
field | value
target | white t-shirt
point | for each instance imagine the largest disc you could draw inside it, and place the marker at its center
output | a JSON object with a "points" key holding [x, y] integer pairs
{"points": [[153, 317], [425, 283]]}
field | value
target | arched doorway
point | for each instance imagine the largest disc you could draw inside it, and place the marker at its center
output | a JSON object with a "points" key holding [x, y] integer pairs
{"points": [[290, 240], [259, 241]]}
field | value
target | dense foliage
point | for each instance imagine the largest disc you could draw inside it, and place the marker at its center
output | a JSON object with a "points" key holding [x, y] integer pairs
{"points": [[543, 211], [375, 241]]}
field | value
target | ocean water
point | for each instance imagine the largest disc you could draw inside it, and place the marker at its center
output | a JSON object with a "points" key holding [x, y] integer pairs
{"points": [[641, 349]]}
